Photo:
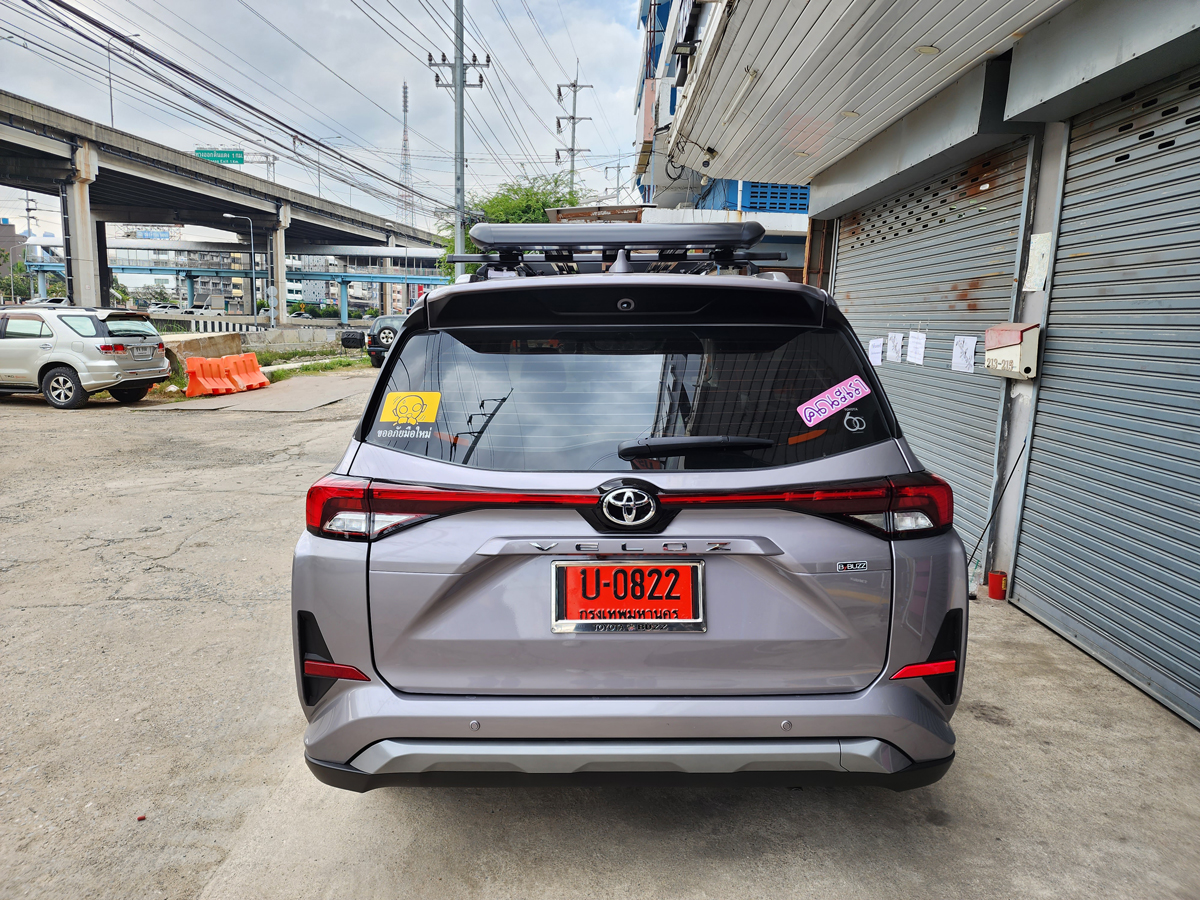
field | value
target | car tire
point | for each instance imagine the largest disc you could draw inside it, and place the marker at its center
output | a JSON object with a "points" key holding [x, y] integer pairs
{"points": [[386, 336], [63, 390], [128, 395], [376, 361]]}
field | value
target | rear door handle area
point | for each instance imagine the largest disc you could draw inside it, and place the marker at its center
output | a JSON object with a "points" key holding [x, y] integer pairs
{"points": [[46, 346]]}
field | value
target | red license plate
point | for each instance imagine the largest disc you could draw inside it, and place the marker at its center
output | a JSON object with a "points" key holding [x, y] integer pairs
{"points": [[655, 595]]}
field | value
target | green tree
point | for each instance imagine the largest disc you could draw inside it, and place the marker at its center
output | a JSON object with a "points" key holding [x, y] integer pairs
{"points": [[523, 200]]}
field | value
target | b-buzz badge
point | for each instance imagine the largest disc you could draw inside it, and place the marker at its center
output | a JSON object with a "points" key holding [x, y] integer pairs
{"points": [[408, 414]]}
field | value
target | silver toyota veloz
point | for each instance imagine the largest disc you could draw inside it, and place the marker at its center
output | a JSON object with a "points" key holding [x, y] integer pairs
{"points": [[621, 525]]}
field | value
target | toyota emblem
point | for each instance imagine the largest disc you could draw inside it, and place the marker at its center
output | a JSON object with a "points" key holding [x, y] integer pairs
{"points": [[628, 506]]}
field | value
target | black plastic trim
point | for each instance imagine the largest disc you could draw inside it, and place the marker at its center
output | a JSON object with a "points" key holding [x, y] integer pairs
{"points": [[351, 779]]}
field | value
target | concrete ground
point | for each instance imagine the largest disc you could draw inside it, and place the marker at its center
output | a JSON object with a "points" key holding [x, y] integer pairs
{"points": [[147, 671]]}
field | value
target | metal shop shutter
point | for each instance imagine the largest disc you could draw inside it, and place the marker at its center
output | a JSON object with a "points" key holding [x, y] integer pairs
{"points": [[1109, 551], [939, 258]]}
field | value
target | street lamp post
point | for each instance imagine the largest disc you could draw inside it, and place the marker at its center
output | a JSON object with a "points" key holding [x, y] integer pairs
{"points": [[253, 297], [108, 44]]}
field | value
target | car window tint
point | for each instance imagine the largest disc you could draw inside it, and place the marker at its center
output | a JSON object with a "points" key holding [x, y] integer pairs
{"points": [[533, 399], [128, 326], [26, 326], [85, 326]]}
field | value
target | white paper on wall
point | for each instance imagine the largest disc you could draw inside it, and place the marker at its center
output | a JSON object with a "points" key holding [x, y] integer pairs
{"points": [[1038, 267], [895, 346], [876, 352], [964, 353], [916, 347]]}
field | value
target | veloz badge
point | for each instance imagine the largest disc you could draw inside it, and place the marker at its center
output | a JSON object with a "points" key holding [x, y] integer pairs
{"points": [[857, 566]]}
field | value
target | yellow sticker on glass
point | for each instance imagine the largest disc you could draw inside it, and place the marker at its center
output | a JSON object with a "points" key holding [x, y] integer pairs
{"points": [[410, 407]]}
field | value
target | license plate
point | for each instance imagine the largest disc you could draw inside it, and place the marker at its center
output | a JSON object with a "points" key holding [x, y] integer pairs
{"points": [[618, 598], [141, 352]]}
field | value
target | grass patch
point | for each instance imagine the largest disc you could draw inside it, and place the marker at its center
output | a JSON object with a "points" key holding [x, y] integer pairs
{"points": [[332, 365], [275, 357], [177, 378]]}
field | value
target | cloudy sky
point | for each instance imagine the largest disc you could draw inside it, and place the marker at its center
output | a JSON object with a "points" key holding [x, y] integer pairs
{"points": [[333, 70]]}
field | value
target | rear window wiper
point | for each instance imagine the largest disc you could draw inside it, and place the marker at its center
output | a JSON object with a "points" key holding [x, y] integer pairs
{"points": [[648, 448]]}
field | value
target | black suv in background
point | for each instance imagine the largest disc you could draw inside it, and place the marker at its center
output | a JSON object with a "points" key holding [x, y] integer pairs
{"points": [[379, 339]]}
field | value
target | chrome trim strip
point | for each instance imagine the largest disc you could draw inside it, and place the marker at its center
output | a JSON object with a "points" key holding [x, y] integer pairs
{"points": [[565, 757]]}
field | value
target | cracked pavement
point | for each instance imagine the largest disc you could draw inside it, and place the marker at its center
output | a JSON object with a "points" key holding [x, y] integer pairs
{"points": [[144, 590], [144, 569]]}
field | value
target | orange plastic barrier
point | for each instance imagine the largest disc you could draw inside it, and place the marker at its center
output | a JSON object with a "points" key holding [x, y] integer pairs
{"points": [[207, 376], [244, 372]]}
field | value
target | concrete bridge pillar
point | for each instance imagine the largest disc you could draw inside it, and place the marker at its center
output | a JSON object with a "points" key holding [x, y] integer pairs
{"points": [[344, 302], [191, 291], [79, 230]]}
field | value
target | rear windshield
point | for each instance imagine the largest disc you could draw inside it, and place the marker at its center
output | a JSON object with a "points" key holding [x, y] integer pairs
{"points": [[530, 399], [128, 326]]}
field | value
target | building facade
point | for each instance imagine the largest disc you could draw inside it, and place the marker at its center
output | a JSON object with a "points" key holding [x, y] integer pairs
{"points": [[989, 165]]}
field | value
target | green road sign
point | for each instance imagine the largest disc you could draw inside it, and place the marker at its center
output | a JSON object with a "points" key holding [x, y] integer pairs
{"points": [[227, 157]]}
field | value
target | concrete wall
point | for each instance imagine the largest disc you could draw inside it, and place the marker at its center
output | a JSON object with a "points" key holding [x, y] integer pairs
{"points": [[1095, 50], [181, 346]]}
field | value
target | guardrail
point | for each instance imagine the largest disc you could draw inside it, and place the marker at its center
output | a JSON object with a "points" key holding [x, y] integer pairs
{"points": [[177, 324]]}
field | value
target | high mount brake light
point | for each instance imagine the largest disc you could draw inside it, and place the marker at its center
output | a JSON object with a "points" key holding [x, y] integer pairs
{"points": [[358, 509], [900, 506]]}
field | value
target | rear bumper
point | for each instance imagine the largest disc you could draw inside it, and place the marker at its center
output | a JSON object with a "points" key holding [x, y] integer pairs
{"points": [[355, 716], [95, 379], [782, 764]]}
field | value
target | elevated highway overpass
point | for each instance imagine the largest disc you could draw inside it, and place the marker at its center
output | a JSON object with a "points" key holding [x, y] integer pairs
{"points": [[101, 174]]}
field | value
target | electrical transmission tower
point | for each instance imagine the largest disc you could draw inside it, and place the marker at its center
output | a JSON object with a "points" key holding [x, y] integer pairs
{"points": [[404, 199], [458, 82], [574, 87]]}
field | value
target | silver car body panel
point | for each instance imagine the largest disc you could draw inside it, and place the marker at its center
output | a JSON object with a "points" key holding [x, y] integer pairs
{"points": [[450, 620], [567, 757]]}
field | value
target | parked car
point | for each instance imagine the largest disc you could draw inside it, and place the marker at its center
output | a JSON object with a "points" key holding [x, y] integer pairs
{"points": [[168, 308], [203, 311], [381, 336], [70, 353], [632, 527], [299, 315]]}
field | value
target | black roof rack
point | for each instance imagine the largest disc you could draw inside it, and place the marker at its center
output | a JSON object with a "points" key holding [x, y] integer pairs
{"points": [[592, 246]]}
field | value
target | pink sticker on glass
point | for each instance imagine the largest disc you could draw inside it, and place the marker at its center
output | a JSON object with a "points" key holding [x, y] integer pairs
{"points": [[839, 397]]}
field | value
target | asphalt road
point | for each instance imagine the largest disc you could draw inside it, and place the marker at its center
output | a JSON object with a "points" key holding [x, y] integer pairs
{"points": [[144, 560]]}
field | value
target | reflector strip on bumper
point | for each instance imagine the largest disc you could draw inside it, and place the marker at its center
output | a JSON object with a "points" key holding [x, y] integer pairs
{"points": [[920, 670]]}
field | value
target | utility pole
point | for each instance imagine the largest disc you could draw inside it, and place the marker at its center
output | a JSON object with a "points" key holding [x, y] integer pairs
{"points": [[458, 81], [574, 87], [619, 166]]}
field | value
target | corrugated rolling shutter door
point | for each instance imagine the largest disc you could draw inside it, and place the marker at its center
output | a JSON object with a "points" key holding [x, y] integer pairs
{"points": [[1109, 550], [939, 258]]}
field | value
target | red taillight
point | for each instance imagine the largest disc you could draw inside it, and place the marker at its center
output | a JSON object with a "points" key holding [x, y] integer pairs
{"points": [[921, 493], [337, 507], [357, 509], [920, 670], [162, 346], [317, 669], [901, 506], [111, 348]]}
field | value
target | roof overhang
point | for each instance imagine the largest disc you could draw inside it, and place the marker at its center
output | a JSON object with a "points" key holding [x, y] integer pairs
{"points": [[782, 97], [959, 123]]}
